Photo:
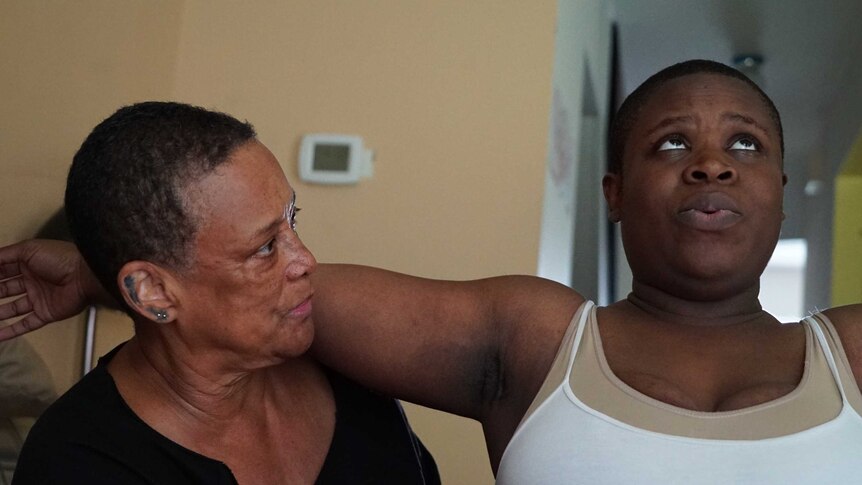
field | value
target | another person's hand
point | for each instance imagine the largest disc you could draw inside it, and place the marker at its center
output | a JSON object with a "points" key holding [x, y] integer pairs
{"points": [[50, 279]]}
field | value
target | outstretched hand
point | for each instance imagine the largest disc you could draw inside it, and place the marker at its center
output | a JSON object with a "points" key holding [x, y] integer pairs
{"points": [[50, 280]]}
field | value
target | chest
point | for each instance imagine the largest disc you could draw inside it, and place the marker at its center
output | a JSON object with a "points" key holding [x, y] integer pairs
{"points": [[289, 452], [706, 370]]}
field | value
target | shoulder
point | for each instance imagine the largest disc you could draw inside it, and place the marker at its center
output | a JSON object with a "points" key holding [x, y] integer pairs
{"points": [[90, 434], [69, 439], [85, 415], [81, 406], [531, 315], [529, 310], [847, 321], [536, 318], [537, 312]]}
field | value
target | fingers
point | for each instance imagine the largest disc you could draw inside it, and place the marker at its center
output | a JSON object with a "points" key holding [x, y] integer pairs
{"points": [[15, 308], [25, 325], [9, 270], [12, 287]]}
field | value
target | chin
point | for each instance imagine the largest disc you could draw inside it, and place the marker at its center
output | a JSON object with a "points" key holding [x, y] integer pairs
{"points": [[298, 338]]}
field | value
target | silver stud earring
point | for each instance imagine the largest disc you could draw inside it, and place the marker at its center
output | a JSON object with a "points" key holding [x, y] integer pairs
{"points": [[161, 315]]}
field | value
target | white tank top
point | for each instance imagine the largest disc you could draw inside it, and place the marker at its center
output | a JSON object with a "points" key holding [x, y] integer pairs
{"points": [[564, 441]]}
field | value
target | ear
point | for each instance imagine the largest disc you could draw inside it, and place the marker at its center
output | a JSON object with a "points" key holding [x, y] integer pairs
{"points": [[612, 186], [145, 288]]}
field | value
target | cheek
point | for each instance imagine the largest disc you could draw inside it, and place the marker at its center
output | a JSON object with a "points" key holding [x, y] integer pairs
{"points": [[248, 292], [263, 289], [646, 194], [770, 196]]}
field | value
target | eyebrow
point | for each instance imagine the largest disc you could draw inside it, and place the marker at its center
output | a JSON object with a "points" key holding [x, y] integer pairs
{"points": [[277, 222], [728, 116], [737, 117], [674, 120]]}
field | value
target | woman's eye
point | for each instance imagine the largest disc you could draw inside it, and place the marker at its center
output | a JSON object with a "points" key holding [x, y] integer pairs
{"points": [[744, 143], [267, 248], [673, 143]]}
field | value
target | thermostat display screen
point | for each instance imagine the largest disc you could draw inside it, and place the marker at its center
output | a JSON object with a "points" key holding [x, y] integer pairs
{"points": [[331, 157]]}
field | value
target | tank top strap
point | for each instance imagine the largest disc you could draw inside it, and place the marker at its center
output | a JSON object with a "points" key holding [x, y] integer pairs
{"points": [[587, 311], [814, 323], [558, 374]]}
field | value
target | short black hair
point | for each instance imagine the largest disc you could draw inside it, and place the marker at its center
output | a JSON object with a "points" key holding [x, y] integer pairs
{"points": [[124, 193], [627, 115]]}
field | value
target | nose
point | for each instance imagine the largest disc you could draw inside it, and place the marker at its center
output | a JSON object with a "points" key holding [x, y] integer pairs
{"points": [[301, 262], [710, 168]]}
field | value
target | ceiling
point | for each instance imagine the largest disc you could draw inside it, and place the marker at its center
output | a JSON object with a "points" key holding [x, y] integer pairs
{"points": [[812, 67]]}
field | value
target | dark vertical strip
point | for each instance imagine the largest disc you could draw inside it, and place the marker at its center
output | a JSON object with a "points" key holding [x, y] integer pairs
{"points": [[614, 102]]}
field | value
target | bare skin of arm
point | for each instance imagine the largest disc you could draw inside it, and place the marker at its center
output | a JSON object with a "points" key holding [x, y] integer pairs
{"points": [[479, 349]]}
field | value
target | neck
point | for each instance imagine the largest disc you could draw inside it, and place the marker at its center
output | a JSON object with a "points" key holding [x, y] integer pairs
{"points": [[154, 377], [181, 380], [238, 418], [739, 308]]}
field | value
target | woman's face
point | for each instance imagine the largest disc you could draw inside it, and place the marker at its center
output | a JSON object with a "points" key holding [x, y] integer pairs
{"points": [[700, 195], [248, 292]]}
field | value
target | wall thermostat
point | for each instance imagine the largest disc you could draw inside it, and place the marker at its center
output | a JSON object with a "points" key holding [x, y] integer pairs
{"points": [[326, 158]]}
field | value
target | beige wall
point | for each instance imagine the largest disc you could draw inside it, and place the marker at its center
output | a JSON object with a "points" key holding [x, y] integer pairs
{"points": [[453, 96], [66, 66]]}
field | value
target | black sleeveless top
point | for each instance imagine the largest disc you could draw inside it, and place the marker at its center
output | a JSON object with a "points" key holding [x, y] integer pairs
{"points": [[90, 436]]}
